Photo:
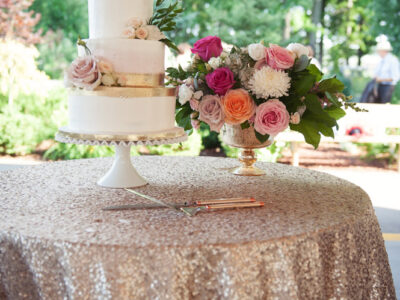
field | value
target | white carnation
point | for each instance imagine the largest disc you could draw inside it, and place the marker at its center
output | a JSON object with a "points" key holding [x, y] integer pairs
{"points": [[185, 93], [256, 51], [154, 33], [268, 82], [215, 62], [298, 49]]}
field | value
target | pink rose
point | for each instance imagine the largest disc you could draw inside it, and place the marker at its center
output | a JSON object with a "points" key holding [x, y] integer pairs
{"points": [[221, 80], [211, 112], [84, 73], [279, 58], [260, 64], [210, 46], [271, 117]]}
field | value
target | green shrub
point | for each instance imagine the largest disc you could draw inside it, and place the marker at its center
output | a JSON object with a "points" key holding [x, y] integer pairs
{"points": [[62, 151], [30, 120]]}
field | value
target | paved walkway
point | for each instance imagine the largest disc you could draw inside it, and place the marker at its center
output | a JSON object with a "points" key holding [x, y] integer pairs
{"points": [[383, 189]]}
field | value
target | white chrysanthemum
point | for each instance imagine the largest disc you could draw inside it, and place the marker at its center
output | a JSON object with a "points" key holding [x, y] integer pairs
{"points": [[268, 82]]}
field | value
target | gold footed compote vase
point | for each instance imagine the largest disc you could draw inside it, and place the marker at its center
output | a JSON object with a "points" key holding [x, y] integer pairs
{"points": [[235, 136]]}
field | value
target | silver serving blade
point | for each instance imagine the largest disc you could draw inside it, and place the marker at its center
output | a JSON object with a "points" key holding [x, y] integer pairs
{"points": [[154, 200]]}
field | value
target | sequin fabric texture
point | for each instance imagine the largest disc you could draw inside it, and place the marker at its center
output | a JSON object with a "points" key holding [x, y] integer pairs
{"points": [[316, 238]]}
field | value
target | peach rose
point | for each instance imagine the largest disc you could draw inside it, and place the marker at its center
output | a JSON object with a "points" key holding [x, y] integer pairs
{"points": [[238, 106], [142, 33]]}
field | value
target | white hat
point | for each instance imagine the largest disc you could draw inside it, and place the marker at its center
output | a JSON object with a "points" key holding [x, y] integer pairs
{"points": [[384, 46]]}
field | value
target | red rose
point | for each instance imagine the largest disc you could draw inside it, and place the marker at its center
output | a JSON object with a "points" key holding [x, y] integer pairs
{"points": [[208, 47], [220, 81]]}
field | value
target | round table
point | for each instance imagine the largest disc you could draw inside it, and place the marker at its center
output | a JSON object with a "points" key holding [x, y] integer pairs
{"points": [[316, 238]]}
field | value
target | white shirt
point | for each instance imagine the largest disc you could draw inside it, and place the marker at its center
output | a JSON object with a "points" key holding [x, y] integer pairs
{"points": [[389, 67]]}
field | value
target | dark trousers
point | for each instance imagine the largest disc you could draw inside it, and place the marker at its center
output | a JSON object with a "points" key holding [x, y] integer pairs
{"points": [[385, 92]]}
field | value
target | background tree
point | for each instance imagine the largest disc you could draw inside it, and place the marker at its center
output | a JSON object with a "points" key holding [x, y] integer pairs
{"points": [[17, 21]]}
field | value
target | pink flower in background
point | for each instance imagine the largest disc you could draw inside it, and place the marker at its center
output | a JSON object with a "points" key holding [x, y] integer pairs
{"points": [[211, 112], [84, 73], [279, 58], [210, 46], [221, 80], [272, 117]]}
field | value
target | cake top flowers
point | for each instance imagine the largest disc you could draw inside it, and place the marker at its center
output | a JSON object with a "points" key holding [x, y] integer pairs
{"points": [[268, 88]]}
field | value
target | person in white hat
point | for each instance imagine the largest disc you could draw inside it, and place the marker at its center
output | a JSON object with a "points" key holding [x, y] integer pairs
{"points": [[388, 72]]}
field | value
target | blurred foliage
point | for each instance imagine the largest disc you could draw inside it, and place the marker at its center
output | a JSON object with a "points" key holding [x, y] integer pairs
{"points": [[56, 53], [62, 22], [18, 71], [30, 120]]}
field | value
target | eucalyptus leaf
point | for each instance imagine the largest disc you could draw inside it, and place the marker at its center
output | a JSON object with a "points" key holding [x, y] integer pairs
{"points": [[302, 63]]}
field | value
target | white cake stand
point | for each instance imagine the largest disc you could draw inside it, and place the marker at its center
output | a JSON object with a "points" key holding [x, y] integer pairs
{"points": [[122, 173]]}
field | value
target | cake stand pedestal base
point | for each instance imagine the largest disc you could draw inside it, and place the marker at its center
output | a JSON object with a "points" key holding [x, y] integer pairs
{"points": [[122, 173]]}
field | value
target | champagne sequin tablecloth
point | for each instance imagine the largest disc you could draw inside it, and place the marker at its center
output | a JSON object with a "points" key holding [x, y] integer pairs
{"points": [[316, 238]]}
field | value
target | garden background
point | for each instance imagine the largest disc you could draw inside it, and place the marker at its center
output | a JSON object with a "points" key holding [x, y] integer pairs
{"points": [[37, 42]]}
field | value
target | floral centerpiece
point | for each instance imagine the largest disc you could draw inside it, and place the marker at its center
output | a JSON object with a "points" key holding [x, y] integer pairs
{"points": [[264, 89]]}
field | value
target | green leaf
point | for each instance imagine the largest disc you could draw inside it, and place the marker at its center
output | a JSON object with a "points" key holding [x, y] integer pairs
{"points": [[309, 131], [333, 99], [260, 137], [331, 85], [335, 112], [303, 84], [302, 63], [170, 44], [313, 69], [245, 125], [313, 104]]}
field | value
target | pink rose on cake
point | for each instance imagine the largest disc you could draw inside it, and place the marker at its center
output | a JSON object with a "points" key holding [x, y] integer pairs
{"points": [[142, 33], [220, 80], [84, 73], [211, 112], [210, 46], [271, 118], [279, 58]]}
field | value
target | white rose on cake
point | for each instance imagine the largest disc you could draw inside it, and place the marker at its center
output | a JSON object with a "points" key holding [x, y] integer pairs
{"points": [[108, 80], [298, 49], [130, 33], [256, 51], [135, 23], [185, 94], [154, 33]]}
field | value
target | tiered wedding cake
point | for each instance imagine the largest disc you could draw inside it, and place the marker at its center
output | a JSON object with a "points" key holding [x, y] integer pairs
{"points": [[118, 80]]}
